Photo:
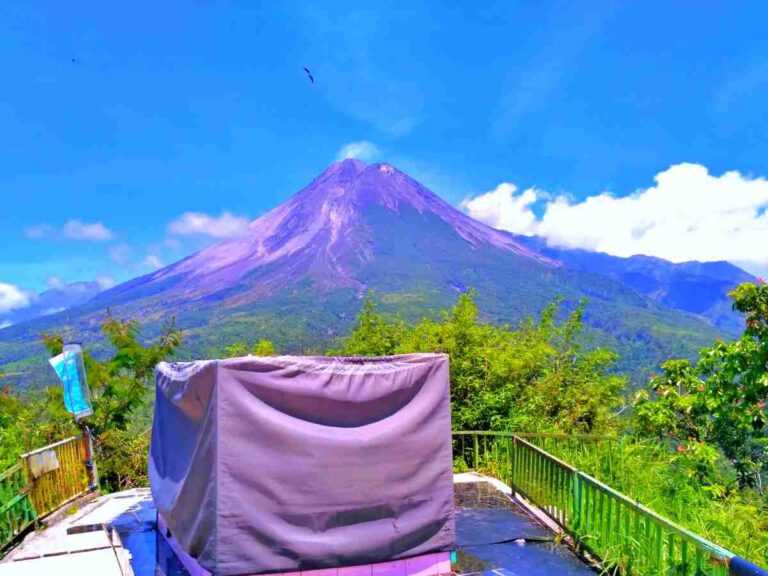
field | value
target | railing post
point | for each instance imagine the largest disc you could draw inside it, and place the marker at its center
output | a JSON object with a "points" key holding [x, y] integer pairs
{"points": [[477, 451], [31, 483], [576, 526], [90, 463], [513, 479]]}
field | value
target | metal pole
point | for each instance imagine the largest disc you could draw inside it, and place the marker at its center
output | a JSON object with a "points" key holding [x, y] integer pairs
{"points": [[90, 463], [513, 480]]}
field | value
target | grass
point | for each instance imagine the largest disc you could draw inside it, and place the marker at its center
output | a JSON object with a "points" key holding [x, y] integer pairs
{"points": [[645, 471]]}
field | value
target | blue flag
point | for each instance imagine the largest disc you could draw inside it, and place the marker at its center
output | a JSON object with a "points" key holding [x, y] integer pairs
{"points": [[69, 368]]}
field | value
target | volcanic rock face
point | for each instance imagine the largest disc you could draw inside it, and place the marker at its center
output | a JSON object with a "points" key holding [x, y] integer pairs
{"points": [[324, 233]]}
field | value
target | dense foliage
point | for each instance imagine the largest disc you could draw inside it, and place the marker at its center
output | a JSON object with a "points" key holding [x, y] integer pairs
{"points": [[537, 375], [262, 348], [658, 476], [120, 395], [714, 410], [691, 446]]}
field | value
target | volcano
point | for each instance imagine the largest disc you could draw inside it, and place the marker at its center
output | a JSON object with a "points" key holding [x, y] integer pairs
{"points": [[299, 273], [331, 233]]}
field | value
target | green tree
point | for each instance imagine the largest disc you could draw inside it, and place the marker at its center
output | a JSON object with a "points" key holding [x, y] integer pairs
{"points": [[240, 349], [374, 334], [120, 389], [236, 350], [264, 348], [31, 421], [535, 376], [716, 407]]}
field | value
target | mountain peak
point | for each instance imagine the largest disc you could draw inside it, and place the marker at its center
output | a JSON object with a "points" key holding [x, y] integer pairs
{"points": [[335, 227], [351, 169], [343, 169]]}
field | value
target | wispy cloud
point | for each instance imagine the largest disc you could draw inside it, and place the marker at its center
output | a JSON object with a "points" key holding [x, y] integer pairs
{"points": [[12, 297], [172, 243], [226, 225], [39, 231], [77, 230], [361, 149], [106, 281], [120, 253], [746, 83], [72, 229], [538, 77], [54, 282], [689, 214], [129, 258], [152, 261]]}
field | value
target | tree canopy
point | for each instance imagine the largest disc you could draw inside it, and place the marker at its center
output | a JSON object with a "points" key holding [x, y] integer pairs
{"points": [[716, 406], [537, 375]]}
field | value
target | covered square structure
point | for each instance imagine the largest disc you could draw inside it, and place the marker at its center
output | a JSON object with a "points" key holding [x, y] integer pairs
{"points": [[280, 464]]}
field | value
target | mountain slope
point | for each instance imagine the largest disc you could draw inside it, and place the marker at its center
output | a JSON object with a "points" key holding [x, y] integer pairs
{"points": [[299, 273], [699, 288], [53, 301], [323, 233]]}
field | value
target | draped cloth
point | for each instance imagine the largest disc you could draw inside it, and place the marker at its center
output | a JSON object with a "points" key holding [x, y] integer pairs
{"points": [[278, 464]]}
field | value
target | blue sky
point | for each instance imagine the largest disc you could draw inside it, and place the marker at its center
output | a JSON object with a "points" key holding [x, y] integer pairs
{"points": [[118, 122]]}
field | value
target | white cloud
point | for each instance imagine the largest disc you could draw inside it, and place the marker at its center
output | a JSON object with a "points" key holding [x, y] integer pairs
{"points": [[501, 208], [362, 150], [50, 311], [37, 232], [5, 324], [153, 262], [688, 215], [120, 253], [54, 282], [172, 243], [12, 297], [77, 230], [198, 224], [72, 229], [106, 281]]}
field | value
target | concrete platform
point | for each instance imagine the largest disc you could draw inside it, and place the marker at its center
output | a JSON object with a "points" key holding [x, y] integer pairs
{"points": [[85, 541], [117, 535]]}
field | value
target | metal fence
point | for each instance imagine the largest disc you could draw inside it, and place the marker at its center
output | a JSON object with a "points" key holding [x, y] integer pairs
{"points": [[44, 480], [628, 538], [58, 472], [16, 511]]}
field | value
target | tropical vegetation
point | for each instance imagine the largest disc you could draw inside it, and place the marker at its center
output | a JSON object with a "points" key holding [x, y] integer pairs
{"points": [[692, 445]]}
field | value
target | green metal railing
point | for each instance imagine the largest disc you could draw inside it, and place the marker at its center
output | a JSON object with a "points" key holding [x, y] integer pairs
{"points": [[628, 538], [16, 511]]}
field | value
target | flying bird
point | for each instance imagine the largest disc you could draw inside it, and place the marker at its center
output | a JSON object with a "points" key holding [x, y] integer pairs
{"points": [[311, 78]]}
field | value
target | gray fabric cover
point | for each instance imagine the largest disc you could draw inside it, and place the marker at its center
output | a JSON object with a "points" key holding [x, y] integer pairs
{"points": [[293, 463]]}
